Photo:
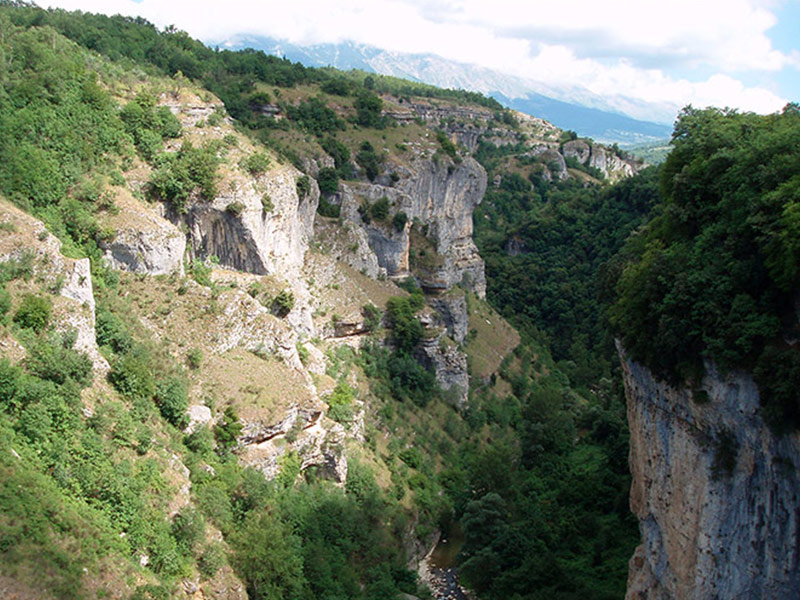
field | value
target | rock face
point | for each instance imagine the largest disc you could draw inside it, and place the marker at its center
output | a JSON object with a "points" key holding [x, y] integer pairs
{"points": [[145, 242], [300, 431], [608, 162], [70, 279], [441, 196], [716, 492], [448, 363], [453, 310], [247, 236]]}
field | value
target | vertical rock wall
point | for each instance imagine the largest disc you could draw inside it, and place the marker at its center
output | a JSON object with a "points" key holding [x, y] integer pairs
{"points": [[441, 196], [716, 492]]}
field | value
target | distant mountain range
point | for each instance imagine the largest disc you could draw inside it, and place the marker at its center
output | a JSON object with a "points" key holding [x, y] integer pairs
{"points": [[606, 119]]}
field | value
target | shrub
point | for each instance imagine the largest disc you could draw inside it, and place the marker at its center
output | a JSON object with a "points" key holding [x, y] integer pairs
{"points": [[303, 353], [338, 86], [399, 221], [372, 316], [211, 560], [406, 328], [111, 331], [200, 441], [340, 401], [314, 116], [5, 303], [227, 432], [340, 155], [380, 210], [328, 209], [57, 362], [172, 399], [201, 272], [328, 180], [189, 171], [266, 203], [188, 529], [447, 145], [369, 160], [368, 110], [131, 374], [303, 186], [235, 208], [194, 357], [33, 312], [256, 164], [283, 303], [214, 119]]}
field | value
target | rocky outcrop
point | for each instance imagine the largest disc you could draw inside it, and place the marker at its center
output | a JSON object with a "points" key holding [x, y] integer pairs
{"points": [[317, 441], [440, 197], [609, 163], [258, 226], [555, 168], [144, 241], [69, 279], [453, 310], [716, 492], [443, 357], [449, 365]]}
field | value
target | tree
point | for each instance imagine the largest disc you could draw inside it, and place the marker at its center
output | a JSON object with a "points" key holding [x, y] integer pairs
{"points": [[368, 110], [267, 556]]}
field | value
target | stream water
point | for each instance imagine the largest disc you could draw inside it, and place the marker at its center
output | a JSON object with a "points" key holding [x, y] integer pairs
{"points": [[443, 574], [445, 553]]}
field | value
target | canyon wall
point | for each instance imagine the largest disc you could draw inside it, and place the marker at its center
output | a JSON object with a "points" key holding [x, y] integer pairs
{"points": [[716, 491]]}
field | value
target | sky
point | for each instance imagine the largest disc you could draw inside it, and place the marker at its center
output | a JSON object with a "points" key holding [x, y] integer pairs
{"points": [[743, 54]]}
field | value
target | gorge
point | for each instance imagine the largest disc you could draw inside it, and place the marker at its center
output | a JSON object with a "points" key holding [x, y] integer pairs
{"points": [[271, 332]]}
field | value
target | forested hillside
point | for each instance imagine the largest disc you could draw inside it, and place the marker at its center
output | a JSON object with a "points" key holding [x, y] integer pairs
{"points": [[191, 406]]}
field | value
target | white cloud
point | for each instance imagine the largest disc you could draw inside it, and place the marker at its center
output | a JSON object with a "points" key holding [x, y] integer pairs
{"points": [[613, 47]]}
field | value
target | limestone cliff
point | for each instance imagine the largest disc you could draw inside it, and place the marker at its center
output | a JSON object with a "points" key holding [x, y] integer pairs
{"points": [[440, 197], [613, 166], [716, 492], [245, 235]]}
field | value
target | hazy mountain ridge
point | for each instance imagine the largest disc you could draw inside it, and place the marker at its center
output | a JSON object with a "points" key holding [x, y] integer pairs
{"points": [[610, 120]]}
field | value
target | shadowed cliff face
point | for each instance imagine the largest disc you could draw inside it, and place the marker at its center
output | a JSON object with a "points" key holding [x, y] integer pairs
{"points": [[717, 494]]}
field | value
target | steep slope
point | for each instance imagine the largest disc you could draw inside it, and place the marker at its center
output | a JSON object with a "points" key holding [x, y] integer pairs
{"points": [[706, 311], [298, 385]]}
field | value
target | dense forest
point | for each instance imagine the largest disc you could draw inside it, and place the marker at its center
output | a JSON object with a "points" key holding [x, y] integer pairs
{"points": [[534, 469]]}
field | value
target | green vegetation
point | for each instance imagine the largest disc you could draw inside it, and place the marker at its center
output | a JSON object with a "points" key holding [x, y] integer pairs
{"points": [[182, 174], [34, 312], [547, 250], [283, 303], [533, 468], [369, 160], [314, 116], [714, 276], [340, 401], [149, 126], [256, 163]]}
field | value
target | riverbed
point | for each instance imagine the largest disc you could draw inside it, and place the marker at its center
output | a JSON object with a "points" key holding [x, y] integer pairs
{"points": [[439, 567]]}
